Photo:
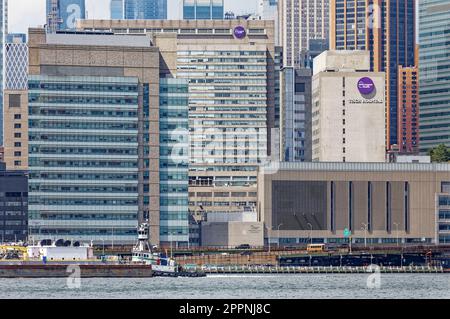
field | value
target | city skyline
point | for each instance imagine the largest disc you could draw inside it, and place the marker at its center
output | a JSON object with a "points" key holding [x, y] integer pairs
{"points": [[31, 13]]}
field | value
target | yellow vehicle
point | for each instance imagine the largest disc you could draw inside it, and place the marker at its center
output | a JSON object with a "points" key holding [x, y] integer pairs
{"points": [[315, 248], [13, 252]]}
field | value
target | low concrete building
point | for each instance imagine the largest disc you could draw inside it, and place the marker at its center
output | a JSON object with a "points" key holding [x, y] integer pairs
{"points": [[379, 203], [232, 234], [231, 230]]}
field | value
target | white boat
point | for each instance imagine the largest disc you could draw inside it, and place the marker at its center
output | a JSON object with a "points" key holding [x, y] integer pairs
{"points": [[142, 254]]}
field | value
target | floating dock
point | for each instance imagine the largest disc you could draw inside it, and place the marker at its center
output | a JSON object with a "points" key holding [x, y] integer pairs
{"points": [[322, 270]]}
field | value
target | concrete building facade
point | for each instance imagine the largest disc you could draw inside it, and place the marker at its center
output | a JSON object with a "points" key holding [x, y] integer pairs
{"points": [[15, 100], [379, 203], [348, 118], [230, 68], [387, 29], [300, 21]]}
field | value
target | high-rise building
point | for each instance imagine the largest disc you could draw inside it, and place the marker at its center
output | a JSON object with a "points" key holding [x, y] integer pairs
{"points": [[316, 47], [63, 14], [13, 205], [386, 28], [203, 9], [347, 108], [230, 67], [174, 162], [145, 9], [408, 112], [116, 9], [94, 136], [3, 33], [300, 21], [295, 112], [278, 66], [434, 69], [268, 10], [15, 100]]}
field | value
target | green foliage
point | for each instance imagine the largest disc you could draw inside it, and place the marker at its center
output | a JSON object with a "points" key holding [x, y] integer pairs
{"points": [[440, 154]]}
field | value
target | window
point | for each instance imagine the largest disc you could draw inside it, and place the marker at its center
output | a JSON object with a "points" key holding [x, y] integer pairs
{"points": [[14, 100], [17, 144], [17, 116], [300, 87], [445, 187]]}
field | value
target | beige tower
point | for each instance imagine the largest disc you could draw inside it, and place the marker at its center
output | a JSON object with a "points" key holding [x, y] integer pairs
{"points": [[15, 104], [300, 21]]}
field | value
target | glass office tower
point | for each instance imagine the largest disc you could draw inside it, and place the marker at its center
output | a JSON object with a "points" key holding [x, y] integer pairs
{"points": [[174, 161], [145, 9], [203, 9], [83, 158], [63, 14], [116, 7], [295, 114], [434, 69]]}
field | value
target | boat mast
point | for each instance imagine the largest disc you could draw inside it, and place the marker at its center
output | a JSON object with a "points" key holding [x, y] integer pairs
{"points": [[143, 237]]}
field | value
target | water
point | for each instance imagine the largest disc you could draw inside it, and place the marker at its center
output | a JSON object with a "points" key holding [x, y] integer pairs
{"points": [[236, 287]]}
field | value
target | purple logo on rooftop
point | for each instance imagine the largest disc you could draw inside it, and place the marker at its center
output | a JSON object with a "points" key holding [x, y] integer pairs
{"points": [[366, 86], [239, 32]]}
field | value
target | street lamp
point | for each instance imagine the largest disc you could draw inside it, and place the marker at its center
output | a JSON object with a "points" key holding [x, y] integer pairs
{"points": [[171, 240], [279, 234], [310, 232], [268, 237], [365, 233], [112, 238]]}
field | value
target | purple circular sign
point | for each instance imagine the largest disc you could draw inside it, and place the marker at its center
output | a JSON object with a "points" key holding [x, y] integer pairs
{"points": [[366, 86], [239, 32]]}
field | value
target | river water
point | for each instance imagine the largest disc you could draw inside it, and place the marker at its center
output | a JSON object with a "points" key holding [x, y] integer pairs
{"points": [[320, 286]]}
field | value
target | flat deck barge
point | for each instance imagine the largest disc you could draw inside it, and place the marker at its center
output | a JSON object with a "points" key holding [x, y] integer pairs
{"points": [[60, 270]]}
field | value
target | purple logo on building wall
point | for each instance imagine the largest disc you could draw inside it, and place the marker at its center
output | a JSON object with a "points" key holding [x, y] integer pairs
{"points": [[366, 86], [239, 32]]}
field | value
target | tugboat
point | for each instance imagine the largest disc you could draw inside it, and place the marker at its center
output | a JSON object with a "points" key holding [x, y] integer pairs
{"points": [[142, 254]]}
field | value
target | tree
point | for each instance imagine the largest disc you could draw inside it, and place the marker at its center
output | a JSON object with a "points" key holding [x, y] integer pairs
{"points": [[440, 154]]}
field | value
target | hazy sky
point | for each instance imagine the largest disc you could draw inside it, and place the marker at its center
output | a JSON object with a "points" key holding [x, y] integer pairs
{"points": [[26, 13]]}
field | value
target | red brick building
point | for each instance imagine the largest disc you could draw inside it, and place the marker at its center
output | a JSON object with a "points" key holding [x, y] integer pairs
{"points": [[408, 109]]}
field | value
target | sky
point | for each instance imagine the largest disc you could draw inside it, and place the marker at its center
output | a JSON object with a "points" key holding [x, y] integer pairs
{"points": [[31, 13]]}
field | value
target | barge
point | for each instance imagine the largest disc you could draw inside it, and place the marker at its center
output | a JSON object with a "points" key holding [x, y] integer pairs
{"points": [[60, 270], [63, 259]]}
